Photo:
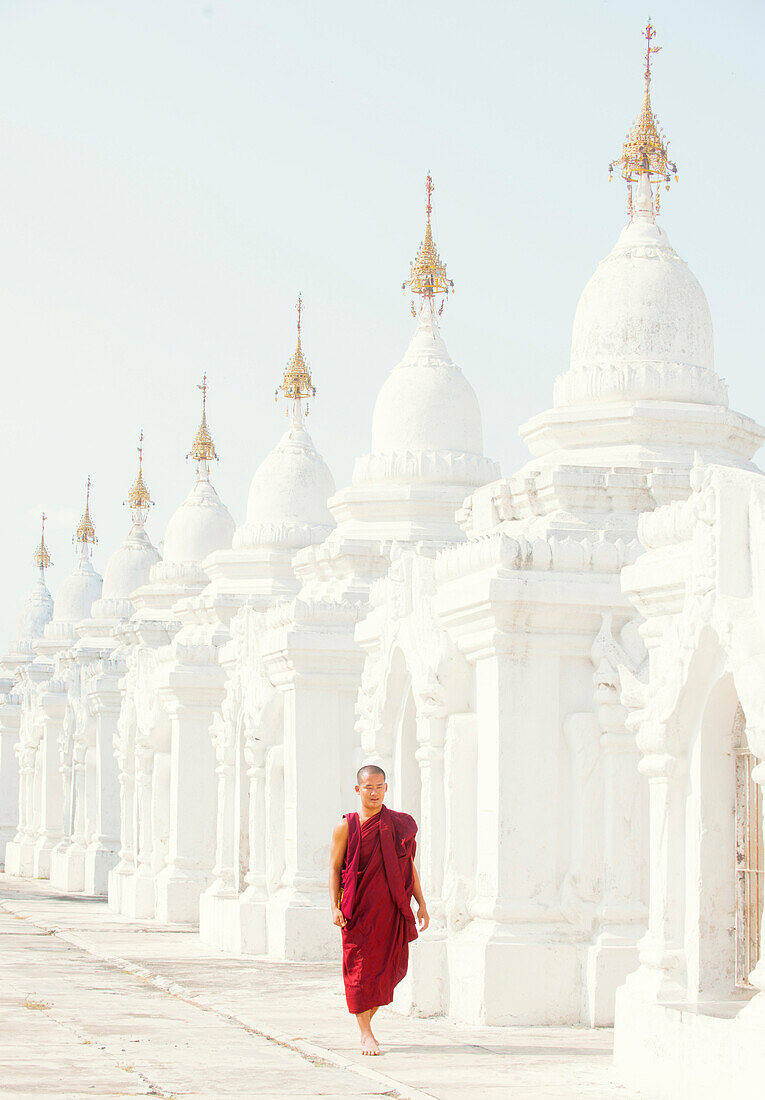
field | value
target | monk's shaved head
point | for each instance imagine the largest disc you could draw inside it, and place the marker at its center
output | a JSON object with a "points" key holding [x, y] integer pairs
{"points": [[367, 770]]}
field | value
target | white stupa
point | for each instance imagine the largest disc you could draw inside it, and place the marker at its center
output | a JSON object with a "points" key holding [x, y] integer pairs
{"points": [[34, 615], [287, 502], [286, 511], [641, 388], [77, 592], [286, 507], [427, 437], [199, 526], [128, 568], [640, 402]]}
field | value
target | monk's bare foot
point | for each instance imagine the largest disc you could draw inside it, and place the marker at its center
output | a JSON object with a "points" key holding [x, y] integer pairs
{"points": [[369, 1044]]}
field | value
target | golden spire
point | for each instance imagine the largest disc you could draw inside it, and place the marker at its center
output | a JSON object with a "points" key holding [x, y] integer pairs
{"points": [[42, 558], [427, 275], [203, 448], [645, 149], [85, 535], [297, 385], [139, 500]]}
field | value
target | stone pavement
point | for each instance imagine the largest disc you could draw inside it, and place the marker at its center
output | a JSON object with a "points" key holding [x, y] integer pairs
{"points": [[96, 1005]]}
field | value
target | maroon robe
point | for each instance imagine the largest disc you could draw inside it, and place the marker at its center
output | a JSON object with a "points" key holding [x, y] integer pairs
{"points": [[377, 882]]}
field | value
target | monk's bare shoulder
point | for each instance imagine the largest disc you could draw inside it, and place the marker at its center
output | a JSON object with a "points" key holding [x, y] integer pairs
{"points": [[339, 844]]}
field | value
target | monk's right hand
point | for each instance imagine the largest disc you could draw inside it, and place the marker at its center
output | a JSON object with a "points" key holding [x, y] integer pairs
{"points": [[337, 917]]}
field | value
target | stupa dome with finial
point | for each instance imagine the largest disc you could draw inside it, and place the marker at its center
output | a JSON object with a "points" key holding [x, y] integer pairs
{"points": [[426, 406], [642, 330], [129, 567], [37, 609], [202, 523], [287, 503], [77, 592], [641, 386]]}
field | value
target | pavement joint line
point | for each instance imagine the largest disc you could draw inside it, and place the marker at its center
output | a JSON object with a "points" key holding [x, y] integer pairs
{"points": [[309, 1051]]}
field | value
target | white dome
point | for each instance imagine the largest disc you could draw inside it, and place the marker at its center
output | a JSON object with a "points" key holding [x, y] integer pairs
{"points": [[642, 328], [292, 485], [201, 524], [36, 612], [129, 566], [426, 403], [77, 594]]}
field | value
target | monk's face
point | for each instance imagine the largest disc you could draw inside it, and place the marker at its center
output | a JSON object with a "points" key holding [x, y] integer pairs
{"points": [[371, 791]]}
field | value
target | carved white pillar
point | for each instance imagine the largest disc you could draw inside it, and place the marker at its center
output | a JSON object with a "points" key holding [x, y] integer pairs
{"points": [[624, 812], [424, 989], [143, 805], [106, 793], [191, 840], [28, 769], [431, 734], [582, 880], [26, 757], [68, 797], [224, 871], [126, 862], [10, 715], [255, 757], [622, 833], [51, 794], [79, 788], [661, 951], [317, 664]]}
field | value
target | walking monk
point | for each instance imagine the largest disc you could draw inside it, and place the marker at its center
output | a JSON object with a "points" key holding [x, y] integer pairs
{"points": [[372, 860]]}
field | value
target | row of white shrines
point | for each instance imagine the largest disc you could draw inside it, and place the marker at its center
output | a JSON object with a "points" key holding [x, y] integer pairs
{"points": [[562, 673]]}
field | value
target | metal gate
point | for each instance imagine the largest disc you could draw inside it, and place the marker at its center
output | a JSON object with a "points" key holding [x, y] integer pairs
{"points": [[750, 864]]}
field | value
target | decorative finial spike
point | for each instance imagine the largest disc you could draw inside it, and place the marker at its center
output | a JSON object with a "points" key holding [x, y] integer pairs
{"points": [[203, 448], [138, 500], [42, 558], [297, 385], [85, 535], [427, 274], [645, 150], [649, 33]]}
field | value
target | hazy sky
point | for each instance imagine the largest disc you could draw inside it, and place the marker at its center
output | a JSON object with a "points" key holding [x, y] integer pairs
{"points": [[172, 173]]}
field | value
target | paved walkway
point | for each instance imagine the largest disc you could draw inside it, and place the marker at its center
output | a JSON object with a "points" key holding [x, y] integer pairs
{"points": [[95, 1005]]}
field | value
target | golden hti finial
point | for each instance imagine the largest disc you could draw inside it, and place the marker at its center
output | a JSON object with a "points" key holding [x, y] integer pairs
{"points": [[138, 500], [645, 149], [85, 535], [427, 274], [42, 558], [297, 385], [203, 448]]}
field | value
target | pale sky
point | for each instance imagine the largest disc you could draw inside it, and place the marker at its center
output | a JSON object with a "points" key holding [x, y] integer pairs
{"points": [[173, 172]]}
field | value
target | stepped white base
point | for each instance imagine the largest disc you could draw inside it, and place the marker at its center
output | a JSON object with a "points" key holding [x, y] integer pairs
{"points": [[99, 861], [497, 977], [20, 858], [67, 868], [299, 927], [233, 923], [690, 1052]]}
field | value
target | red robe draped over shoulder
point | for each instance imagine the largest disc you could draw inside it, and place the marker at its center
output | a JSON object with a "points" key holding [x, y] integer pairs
{"points": [[377, 881]]}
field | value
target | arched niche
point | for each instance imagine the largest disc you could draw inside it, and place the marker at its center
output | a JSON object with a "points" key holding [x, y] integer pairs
{"points": [[394, 742]]}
